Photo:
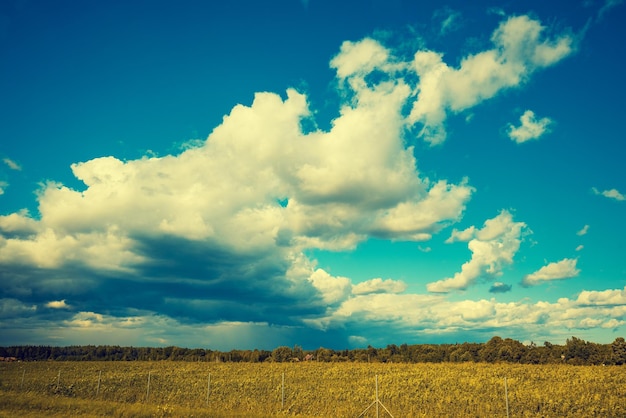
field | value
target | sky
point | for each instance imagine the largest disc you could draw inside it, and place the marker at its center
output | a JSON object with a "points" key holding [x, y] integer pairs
{"points": [[252, 174]]}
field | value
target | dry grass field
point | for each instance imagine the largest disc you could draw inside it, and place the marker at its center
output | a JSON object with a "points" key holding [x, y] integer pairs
{"points": [[33, 389]]}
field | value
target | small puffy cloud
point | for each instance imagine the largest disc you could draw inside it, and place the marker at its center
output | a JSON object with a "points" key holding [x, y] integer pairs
{"points": [[493, 246], [559, 270], [3, 186], [378, 285], [611, 194], [583, 231], [57, 304], [499, 287], [360, 58], [530, 128], [580, 248], [12, 164]]}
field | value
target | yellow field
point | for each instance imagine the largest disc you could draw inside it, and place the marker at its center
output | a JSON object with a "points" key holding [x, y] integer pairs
{"points": [[310, 389]]}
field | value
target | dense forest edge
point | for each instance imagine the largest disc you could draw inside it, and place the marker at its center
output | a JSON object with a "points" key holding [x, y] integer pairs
{"points": [[497, 350]]}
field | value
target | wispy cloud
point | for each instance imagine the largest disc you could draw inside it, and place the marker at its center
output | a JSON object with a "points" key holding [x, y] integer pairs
{"points": [[529, 128], [448, 19], [583, 231], [607, 6], [11, 164], [611, 194], [559, 270]]}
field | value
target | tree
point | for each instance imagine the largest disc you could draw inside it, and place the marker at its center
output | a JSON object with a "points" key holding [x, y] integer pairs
{"points": [[297, 352], [618, 347], [282, 354]]}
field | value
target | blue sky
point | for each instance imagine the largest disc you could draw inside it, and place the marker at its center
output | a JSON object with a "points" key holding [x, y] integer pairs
{"points": [[324, 173]]}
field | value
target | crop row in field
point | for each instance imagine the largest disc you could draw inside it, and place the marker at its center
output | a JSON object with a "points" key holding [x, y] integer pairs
{"points": [[322, 389]]}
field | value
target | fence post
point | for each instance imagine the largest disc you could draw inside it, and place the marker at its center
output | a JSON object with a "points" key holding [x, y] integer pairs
{"points": [[148, 390], [506, 397], [98, 388], [208, 390], [377, 401], [282, 402], [58, 380]]}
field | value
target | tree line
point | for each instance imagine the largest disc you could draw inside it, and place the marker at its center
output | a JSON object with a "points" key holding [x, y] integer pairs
{"points": [[575, 351]]}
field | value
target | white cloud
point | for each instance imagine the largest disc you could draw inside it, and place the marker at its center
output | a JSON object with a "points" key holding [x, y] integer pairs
{"points": [[529, 129], [493, 246], [234, 215], [12, 164], [615, 297], [332, 289], [57, 304], [580, 248], [611, 194], [360, 58], [424, 315], [20, 223], [3, 186], [519, 50], [378, 285], [583, 231], [563, 269]]}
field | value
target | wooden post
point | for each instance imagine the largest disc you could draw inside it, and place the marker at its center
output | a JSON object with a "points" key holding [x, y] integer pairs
{"points": [[148, 390], [377, 401], [506, 396], [98, 388], [378, 404], [58, 380], [208, 389], [282, 402]]}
